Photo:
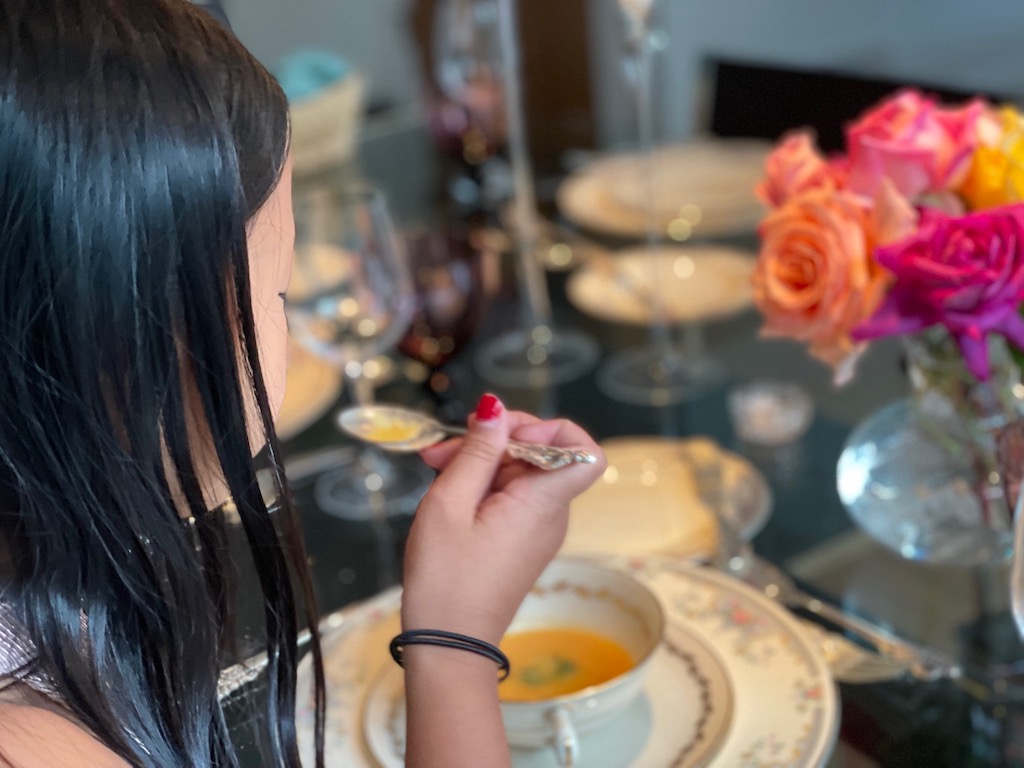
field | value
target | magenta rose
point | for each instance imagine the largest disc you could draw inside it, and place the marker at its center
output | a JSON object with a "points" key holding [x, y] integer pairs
{"points": [[965, 273], [921, 147]]}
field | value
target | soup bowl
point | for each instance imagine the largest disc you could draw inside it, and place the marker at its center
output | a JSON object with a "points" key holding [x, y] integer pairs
{"points": [[583, 596]]}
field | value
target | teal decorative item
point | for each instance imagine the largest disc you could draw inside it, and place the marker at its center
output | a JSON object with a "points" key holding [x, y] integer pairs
{"points": [[305, 74]]}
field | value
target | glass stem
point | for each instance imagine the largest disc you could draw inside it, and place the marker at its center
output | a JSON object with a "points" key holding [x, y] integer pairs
{"points": [[371, 464], [693, 342], [532, 283], [1017, 566], [643, 70], [361, 388]]}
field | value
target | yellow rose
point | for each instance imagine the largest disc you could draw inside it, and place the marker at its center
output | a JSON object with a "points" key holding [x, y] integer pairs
{"points": [[996, 175]]}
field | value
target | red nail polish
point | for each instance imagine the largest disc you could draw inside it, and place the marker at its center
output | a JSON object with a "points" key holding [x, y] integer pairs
{"points": [[489, 408]]}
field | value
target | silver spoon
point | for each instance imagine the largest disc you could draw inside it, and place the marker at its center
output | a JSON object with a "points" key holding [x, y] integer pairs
{"points": [[401, 430]]}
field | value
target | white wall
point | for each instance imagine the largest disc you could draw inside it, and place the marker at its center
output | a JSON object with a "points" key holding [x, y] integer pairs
{"points": [[371, 34], [971, 46]]}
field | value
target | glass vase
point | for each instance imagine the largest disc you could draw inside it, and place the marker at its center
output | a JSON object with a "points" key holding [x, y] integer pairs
{"points": [[922, 475]]}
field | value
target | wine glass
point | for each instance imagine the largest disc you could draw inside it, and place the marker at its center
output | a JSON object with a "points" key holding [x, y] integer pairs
{"points": [[350, 300], [449, 267], [467, 114], [659, 373], [535, 355]]}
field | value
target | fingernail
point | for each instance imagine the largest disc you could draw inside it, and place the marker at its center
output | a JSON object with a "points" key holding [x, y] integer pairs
{"points": [[489, 408]]}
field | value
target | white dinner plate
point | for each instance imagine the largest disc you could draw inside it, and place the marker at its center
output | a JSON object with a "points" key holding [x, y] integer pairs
{"points": [[693, 283], [785, 706], [680, 719], [647, 501], [707, 183]]}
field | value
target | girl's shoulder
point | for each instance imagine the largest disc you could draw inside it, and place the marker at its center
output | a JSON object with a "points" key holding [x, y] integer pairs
{"points": [[39, 737]]}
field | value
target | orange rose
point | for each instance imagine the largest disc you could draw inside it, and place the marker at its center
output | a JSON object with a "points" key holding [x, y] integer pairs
{"points": [[795, 166], [815, 278]]}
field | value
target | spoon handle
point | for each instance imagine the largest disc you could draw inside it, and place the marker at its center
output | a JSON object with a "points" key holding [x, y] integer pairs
{"points": [[543, 456]]}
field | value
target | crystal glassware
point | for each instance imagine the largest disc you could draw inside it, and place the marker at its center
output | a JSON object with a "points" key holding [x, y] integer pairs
{"points": [[536, 354], [350, 300], [661, 372], [448, 268], [466, 109]]}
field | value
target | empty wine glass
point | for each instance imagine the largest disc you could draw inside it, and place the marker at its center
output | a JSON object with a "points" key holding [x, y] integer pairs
{"points": [[448, 270], [467, 114], [350, 300], [659, 373], [537, 354]]}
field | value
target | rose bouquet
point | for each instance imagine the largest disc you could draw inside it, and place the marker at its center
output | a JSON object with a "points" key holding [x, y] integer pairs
{"points": [[920, 223]]}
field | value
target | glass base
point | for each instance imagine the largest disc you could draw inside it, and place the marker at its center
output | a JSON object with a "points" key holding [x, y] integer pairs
{"points": [[371, 486], [541, 358], [648, 376]]}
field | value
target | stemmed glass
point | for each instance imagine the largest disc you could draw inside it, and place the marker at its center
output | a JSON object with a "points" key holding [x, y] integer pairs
{"points": [[477, 58], [350, 300], [467, 116], [658, 373], [448, 269], [1011, 457]]}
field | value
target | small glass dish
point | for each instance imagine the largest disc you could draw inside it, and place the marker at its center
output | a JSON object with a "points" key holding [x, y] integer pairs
{"points": [[770, 413]]}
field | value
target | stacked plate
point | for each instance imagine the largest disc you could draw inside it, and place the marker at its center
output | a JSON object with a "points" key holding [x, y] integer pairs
{"points": [[648, 502], [694, 284], [704, 188], [735, 682]]}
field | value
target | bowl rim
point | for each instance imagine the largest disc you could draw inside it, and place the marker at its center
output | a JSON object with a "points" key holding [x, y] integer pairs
{"points": [[622, 677]]}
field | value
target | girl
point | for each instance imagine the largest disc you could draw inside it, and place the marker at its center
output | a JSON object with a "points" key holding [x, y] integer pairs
{"points": [[145, 246]]}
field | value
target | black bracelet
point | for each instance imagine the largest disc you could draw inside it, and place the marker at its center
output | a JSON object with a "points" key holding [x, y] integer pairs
{"points": [[449, 640]]}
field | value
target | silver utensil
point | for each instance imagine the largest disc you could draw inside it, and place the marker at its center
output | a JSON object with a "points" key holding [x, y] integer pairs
{"points": [[402, 430], [849, 662], [923, 663], [737, 558]]}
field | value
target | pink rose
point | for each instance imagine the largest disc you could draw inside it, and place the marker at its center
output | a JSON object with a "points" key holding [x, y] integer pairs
{"points": [[923, 148], [892, 215], [815, 279], [795, 166], [966, 273]]}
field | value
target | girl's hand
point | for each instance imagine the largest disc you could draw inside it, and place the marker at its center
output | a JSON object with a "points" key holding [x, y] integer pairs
{"points": [[489, 524]]}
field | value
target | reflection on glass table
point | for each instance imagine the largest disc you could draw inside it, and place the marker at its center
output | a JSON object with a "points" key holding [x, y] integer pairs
{"points": [[350, 300]]}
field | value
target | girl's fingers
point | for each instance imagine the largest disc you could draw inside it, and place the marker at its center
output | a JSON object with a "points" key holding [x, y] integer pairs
{"points": [[438, 456]]}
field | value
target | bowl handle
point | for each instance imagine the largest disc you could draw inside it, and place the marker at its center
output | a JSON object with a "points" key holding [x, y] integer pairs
{"points": [[567, 746]]}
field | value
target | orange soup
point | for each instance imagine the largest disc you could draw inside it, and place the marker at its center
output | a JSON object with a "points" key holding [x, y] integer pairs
{"points": [[559, 660], [387, 428]]}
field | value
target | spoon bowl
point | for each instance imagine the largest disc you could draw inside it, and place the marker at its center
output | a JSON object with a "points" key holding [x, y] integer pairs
{"points": [[398, 430]]}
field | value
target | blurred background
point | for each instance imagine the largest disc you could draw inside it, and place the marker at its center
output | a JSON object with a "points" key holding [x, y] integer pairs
{"points": [[943, 42]]}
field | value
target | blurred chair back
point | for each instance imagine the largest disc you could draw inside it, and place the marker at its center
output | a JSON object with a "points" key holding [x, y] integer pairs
{"points": [[756, 100]]}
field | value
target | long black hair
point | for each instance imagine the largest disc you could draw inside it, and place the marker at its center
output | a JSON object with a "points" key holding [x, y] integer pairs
{"points": [[137, 140]]}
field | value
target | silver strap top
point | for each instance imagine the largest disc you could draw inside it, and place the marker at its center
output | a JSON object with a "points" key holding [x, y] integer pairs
{"points": [[17, 654]]}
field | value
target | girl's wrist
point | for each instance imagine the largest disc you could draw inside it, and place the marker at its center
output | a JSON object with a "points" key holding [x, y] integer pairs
{"points": [[455, 666]]}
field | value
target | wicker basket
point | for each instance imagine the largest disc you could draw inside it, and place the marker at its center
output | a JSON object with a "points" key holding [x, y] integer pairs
{"points": [[326, 126]]}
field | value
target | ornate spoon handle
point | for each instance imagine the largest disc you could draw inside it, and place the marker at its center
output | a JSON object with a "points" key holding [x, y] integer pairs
{"points": [[547, 456], [543, 456]]}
